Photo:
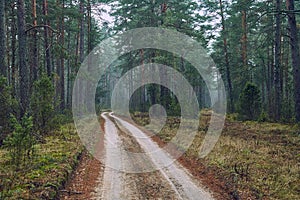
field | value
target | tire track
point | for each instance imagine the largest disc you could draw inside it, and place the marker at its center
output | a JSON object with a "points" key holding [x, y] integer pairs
{"points": [[125, 150], [178, 178]]}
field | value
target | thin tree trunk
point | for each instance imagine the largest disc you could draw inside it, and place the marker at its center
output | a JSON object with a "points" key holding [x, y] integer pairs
{"points": [[46, 39], [81, 45], [3, 67], [80, 86], [69, 73], [62, 61], [277, 61], [228, 74], [295, 54], [69, 91], [33, 52], [13, 51], [89, 18], [8, 39], [60, 93], [269, 82], [244, 44], [23, 71], [35, 47]]}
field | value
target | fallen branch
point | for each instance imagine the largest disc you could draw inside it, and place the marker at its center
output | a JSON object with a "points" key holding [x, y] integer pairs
{"points": [[71, 192]]}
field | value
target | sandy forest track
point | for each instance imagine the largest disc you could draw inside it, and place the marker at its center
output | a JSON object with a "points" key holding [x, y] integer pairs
{"points": [[171, 182]]}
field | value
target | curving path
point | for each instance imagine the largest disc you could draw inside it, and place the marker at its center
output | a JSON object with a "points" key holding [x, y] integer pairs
{"points": [[171, 182]]}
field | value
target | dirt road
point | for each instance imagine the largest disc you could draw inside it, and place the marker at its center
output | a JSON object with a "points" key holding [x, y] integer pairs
{"points": [[136, 168]]}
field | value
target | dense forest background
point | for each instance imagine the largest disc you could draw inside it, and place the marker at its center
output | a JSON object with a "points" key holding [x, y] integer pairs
{"points": [[253, 43], [255, 47]]}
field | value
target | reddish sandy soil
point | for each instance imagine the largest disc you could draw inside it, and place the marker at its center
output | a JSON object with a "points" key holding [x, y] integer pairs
{"points": [[84, 180], [209, 177]]}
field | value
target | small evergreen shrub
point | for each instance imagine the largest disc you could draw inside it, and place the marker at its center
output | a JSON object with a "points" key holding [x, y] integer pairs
{"points": [[42, 104], [5, 102], [20, 143], [263, 117], [250, 102]]}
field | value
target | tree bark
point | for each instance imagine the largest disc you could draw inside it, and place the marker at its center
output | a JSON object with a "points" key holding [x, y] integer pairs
{"points": [[70, 62], [227, 65], [46, 39], [35, 61], [295, 54], [23, 71], [81, 43], [277, 66], [3, 67], [13, 50], [62, 61], [244, 44]]}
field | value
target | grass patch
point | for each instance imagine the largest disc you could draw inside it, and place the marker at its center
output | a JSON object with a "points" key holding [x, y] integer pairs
{"points": [[256, 160], [46, 172]]}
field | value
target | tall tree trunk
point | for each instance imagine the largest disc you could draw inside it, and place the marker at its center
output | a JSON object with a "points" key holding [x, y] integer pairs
{"points": [[33, 51], [244, 44], [62, 60], [3, 68], [81, 45], [35, 61], [13, 50], [228, 74], [23, 71], [89, 18], [69, 73], [295, 54], [164, 92], [80, 85], [60, 93], [8, 39], [269, 81], [46, 39], [69, 63], [277, 60]]}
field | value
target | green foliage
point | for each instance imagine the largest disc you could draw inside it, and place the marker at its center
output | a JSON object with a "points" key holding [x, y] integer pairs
{"points": [[20, 143], [287, 110], [5, 102], [42, 104], [58, 156], [174, 108], [250, 102], [263, 117]]}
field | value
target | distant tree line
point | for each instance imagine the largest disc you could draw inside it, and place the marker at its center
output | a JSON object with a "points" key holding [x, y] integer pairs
{"points": [[42, 44], [257, 43]]}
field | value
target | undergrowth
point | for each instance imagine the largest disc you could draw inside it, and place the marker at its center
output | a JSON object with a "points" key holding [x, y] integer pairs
{"points": [[257, 160], [47, 171]]}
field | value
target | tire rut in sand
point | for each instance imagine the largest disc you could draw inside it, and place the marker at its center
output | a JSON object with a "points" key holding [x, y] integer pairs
{"points": [[149, 185]]}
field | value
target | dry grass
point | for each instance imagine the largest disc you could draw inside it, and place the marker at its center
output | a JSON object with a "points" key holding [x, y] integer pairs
{"points": [[257, 160]]}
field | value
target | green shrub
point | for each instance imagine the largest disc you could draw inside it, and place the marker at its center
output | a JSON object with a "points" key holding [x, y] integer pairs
{"points": [[5, 102], [42, 104], [263, 117], [250, 102], [21, 142]]}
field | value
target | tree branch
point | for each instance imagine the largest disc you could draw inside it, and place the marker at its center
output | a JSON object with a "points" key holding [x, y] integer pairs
{"points": [[41, 26]]}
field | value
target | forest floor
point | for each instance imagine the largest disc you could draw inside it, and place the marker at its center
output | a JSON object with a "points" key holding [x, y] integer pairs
{"points": [[41, 177], [250, 161]]}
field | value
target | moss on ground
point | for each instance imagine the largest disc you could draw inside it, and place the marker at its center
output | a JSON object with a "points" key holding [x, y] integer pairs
{"points": [[45, 174]]}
